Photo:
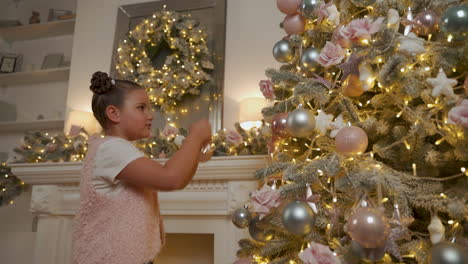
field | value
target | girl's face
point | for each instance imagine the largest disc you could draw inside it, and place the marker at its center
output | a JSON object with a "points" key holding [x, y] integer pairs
{"points": [[136, 115]]}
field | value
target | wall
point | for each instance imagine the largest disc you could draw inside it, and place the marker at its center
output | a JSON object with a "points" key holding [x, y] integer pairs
{"points": [[251, 31]]}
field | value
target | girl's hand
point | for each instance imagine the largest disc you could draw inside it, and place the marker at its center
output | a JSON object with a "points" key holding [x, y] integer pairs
{"points": [[201, 131], [206, 153]]}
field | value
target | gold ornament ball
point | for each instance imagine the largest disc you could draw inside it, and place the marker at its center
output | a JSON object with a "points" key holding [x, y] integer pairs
{"points": [[351, 140], [352, 86]]}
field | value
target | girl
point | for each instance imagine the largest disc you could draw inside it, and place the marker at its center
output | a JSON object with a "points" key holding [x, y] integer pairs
{"points": [[118, 220]]}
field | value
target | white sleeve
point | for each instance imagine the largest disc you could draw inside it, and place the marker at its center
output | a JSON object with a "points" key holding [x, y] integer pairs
{"points": [[112, 157]]}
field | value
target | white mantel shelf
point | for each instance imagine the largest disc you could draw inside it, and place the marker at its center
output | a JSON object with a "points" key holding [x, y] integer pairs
{"points": [[218, 168], [219, 187]]}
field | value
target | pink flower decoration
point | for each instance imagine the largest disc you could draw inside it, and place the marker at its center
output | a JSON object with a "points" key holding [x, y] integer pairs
{"points": [[234, 137], [266, 87], [264, 199], [74, 131], [357, 29], [322, 11], [459, 114], [318, 254], [331, 54], [169, 131], [51, 147]]}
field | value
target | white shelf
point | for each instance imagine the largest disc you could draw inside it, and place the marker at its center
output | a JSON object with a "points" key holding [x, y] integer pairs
{"points": [[49, 75], [36, 31], [23, 126]]}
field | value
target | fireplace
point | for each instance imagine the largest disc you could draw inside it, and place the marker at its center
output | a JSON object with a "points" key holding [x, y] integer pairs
{"points": [[200, 213]]}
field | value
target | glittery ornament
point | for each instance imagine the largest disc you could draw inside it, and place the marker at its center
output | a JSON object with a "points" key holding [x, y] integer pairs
{"points": [[298, 217], [351, 140], [448, 253], [294, 24], [258, 233], [278, 125], [301, 122], [283, 51], [309, 59], [426, 22], [241, 217], [368, 226], [288, 6], [455, 21]]}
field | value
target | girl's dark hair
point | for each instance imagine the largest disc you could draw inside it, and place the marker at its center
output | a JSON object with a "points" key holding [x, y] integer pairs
{"points": [[108, 92]]}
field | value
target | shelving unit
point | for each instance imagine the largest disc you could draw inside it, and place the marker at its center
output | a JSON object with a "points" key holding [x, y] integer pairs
{"points": [[23, 126], [36, 31], [49, 75]]}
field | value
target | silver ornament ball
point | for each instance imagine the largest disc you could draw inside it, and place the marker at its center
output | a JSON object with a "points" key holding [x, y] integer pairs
{"points": [[455, 21], [309, 59], [298, 217], [309, 8], [448, 253], [241, 217], [301, 123], [258, 233], [283, 51]]}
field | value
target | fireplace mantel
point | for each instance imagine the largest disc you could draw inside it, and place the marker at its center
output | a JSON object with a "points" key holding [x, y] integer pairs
{"points": [[220, 186]]}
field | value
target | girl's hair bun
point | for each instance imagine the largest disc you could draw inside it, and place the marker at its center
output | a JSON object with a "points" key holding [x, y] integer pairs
{"points": [[101, 83]]}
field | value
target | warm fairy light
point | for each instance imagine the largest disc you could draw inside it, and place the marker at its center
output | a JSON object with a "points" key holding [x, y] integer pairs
{"points": [[450, 222], [443, 195], [399, 114], [463, 169], [427, 69], [407, 145], [320, 172], [384, 200], [414, 169], [450, 37], [439, 141], [402, 69]]}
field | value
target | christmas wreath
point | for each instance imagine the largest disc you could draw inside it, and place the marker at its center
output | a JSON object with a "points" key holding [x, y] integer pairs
{"points": [[140, 57]]}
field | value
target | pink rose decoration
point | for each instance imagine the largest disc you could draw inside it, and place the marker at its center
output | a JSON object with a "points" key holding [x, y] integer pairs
{"points": [[459, 114], [234, 137], [74, 131], [331, 54], [264, 199], [51, 147], [318, 254], [169, 131], [357, 29], [266, 87]]}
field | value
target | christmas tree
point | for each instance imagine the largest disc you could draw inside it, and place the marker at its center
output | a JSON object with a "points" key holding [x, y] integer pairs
{"points": [[369, 144]]}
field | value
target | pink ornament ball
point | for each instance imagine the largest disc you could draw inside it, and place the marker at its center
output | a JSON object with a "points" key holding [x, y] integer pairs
{"points": [[368, 226], [294, 24], [288, 7], [279, 125], [351, 140]]}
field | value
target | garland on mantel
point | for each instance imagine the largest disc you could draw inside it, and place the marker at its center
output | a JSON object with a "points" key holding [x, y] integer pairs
{"points": [[42, 147]]}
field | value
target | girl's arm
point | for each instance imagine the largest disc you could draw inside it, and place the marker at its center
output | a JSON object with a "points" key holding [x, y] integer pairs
{"points": [[178, 171]]}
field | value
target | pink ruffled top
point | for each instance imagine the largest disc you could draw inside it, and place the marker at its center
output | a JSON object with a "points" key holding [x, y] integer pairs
{"points": [[122, 229]]}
